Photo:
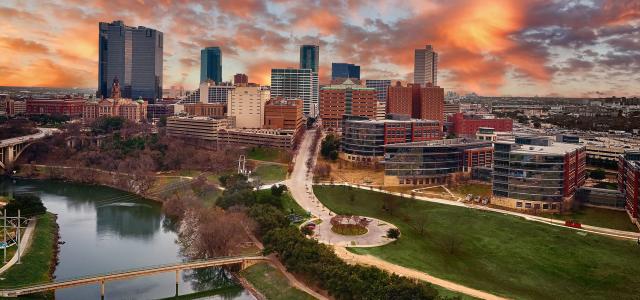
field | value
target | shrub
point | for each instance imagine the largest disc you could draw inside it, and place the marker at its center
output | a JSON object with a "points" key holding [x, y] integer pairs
{"points": [[393, 233]]}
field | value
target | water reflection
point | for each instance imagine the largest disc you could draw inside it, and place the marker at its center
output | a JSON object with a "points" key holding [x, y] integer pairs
{"points": [[108, 230]]}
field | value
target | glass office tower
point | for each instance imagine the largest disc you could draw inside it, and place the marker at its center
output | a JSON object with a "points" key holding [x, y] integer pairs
{"points": [[134, 56], [294, 84], [310, 57], [211, 64], [344, 70]]}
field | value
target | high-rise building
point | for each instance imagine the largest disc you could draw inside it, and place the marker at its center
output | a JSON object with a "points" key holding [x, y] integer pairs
{"points": [[419, 103], [425, 68], [210, 92], [297, 84], [310, 57], [534, 173], [381, 86], [431, 104], [239, 79], [246, 106], [401, 99], [346, 98], [211, 64], [133, 55], [344, 70]]}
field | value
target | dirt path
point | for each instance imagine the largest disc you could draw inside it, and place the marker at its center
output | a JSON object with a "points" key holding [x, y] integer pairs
{"points": [[369, 260]]}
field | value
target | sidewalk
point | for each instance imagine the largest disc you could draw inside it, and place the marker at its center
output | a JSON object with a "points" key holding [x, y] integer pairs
{"points": [[25, 243]]}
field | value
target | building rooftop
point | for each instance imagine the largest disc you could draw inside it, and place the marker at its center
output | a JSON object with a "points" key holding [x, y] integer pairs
{"points": [[389, 119], [553, 148], [444, 142]]}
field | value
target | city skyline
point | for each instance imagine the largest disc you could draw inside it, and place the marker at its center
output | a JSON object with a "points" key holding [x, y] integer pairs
{"points": [[492, 48]]}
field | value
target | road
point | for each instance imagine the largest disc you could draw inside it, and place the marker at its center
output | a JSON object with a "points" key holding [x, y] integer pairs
{"points": [[42, 132], [301, 187]]}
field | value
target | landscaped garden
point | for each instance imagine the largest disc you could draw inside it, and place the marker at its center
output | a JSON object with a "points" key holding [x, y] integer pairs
{"points": [[349, 225], [498, 253]]}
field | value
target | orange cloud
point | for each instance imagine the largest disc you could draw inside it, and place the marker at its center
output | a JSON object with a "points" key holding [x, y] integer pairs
{"points": [[19, 45], [44, 72], [260, 71]]}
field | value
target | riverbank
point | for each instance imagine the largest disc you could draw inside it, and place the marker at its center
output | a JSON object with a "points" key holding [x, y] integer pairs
{"points": [[39, 262], [158, 191]]}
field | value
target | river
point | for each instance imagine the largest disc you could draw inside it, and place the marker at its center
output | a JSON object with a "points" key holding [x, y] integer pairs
{"points": [[106, 230]]}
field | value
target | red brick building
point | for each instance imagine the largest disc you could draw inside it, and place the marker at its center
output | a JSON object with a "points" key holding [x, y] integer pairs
{"points": [[71, 107], [629, 182], [283, 114], [425, 103], [240, 79], [216, 110], [346, 99], [402, 99], [431, 104], [467, 125]]}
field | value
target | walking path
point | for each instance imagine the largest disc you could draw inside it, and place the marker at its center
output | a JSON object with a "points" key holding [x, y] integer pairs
{"points": [[301, 187], [369, 260], [25, 243]]}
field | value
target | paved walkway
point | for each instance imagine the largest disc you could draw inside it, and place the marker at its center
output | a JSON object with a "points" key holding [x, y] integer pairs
{"points": [[349, 257], [25, 243], [301, 187]]}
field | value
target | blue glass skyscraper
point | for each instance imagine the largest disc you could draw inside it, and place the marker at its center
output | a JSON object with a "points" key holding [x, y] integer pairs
{"points": [[134, 56], [310, 57], [211, 64], [344, 70]]}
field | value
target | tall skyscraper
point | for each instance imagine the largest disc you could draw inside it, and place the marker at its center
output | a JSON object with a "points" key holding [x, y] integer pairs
{"points": [[296, 84], [310, 57], [344, 70], [134, 56], [425, 68], [211, 64], [381, 86]]}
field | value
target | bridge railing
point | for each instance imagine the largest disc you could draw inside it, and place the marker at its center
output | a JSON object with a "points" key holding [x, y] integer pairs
{"points": [[176, 265]]}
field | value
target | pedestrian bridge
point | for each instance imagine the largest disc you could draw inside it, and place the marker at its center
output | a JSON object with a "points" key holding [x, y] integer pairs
{"points": [[242, 261], [10, 149]]}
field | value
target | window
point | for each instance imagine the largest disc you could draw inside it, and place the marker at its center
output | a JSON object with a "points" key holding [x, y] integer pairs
{"points": [[527, 205], [545, 206], [519, 204]]}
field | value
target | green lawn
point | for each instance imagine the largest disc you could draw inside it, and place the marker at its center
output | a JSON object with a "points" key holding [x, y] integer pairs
{"points": [[600, 217], [36, 263], [269, 154], [498, 253], [270, 173], [289, 204], [271, 283]]}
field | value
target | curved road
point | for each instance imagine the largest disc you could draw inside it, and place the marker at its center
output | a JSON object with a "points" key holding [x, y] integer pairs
{"points": [[42, 132], [301, 187]]}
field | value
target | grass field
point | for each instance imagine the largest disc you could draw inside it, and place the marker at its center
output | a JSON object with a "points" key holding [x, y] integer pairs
{"points": [[271, 283], [289, 205], [498, 253], [269, 154], [270, 173], [600, 217], [36, 263]]}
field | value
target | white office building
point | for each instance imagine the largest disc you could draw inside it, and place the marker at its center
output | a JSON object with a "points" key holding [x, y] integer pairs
{"points": [[294, 84]]}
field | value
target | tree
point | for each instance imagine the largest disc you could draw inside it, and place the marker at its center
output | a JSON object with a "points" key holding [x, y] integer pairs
{"points": [[537, 125], [278, 189], [28, 204], [393, 233], [598, 174], [329, 147]]}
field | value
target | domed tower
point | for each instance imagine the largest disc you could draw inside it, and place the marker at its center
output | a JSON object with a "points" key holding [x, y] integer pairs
{"points": [[115, 89]]}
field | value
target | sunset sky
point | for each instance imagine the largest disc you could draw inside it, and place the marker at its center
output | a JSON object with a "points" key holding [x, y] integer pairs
{"points": [[520, 48]]}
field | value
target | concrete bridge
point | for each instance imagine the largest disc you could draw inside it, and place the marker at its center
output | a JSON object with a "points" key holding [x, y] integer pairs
{"points": [[10, 149], [242, 261]]}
